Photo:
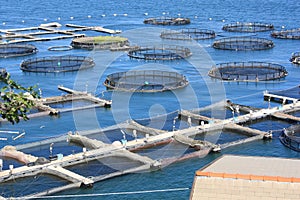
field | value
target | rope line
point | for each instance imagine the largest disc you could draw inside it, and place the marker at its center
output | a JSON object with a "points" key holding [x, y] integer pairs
{"points": [[105, 194]]}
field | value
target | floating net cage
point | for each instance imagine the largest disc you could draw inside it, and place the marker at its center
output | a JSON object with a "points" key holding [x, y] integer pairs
{"points": [[295, 58], [99, 42], [167, 21], [3, 72], [60, 48], [145, 81], [247, 71], [57, 64], [249, 27], [287, 34], [188, 34], [290, 137], [164, 52], [243, 43], [14, 50]]}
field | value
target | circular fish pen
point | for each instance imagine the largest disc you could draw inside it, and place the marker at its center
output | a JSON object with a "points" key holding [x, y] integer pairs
{"points": [[287, 34], [243, 44], [57, 64], [60, 48], [167, 21], [99, 42], [290, 137], [295, 59], [247, 71], [164, 52], [145, 81], [14, 50], [249, 27], [188, 34], [3, 72]]}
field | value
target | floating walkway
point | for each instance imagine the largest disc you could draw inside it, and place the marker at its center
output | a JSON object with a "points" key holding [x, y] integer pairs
{"points": [[12, 36], [278, 98], [100, 150], [44, 104]]}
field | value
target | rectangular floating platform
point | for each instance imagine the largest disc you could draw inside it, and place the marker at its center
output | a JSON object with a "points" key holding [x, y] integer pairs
{"points": [[101, 150], [13, 36], [278, 98]]}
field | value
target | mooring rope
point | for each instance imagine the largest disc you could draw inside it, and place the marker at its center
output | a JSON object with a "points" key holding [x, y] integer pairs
{"points": [[105, 194]]}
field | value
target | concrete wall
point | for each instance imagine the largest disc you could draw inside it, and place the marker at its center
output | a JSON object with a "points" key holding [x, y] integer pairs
{"points": [[212, 188]]}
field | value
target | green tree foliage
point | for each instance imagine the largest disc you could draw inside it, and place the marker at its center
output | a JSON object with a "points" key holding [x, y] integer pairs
{"points": [[16, 100]]}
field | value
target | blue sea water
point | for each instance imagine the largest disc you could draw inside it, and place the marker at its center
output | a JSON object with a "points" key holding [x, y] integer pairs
{"points": [[129, 16]]}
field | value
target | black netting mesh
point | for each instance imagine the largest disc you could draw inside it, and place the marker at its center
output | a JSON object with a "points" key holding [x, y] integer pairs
{"points": [[146, 81], [248, 27], [247, 71], [243, 43], [188, 34], [167, 21], [13, 50], [164, 52], [57, 64], [295, 58], [287, 34], [290, 137]]}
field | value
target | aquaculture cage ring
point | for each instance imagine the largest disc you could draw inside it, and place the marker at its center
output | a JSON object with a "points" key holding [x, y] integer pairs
{"points": [[163, 52], [290, 137], [145, 81], [243, 43], [57, 64], [287, 34], [60, 48], [167, 21], [249, 27], [295, 59], [3, 72], [99, 42], [14, 50], [248, 71], [188, 34]]}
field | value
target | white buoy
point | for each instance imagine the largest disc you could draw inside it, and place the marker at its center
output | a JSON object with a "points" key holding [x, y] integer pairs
{"points": [[145, 14], [89, 16], [103, 15], [23, 21], [196, 17], [1, 164], [179, 14], [58, 18], [223, 20], [3, 23], [134, 134], [45, 19], [189, 121], [115, 14], [210, 19], [282, 27], [71, 17], [125, 14], [163, 13], [11, 167]]}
